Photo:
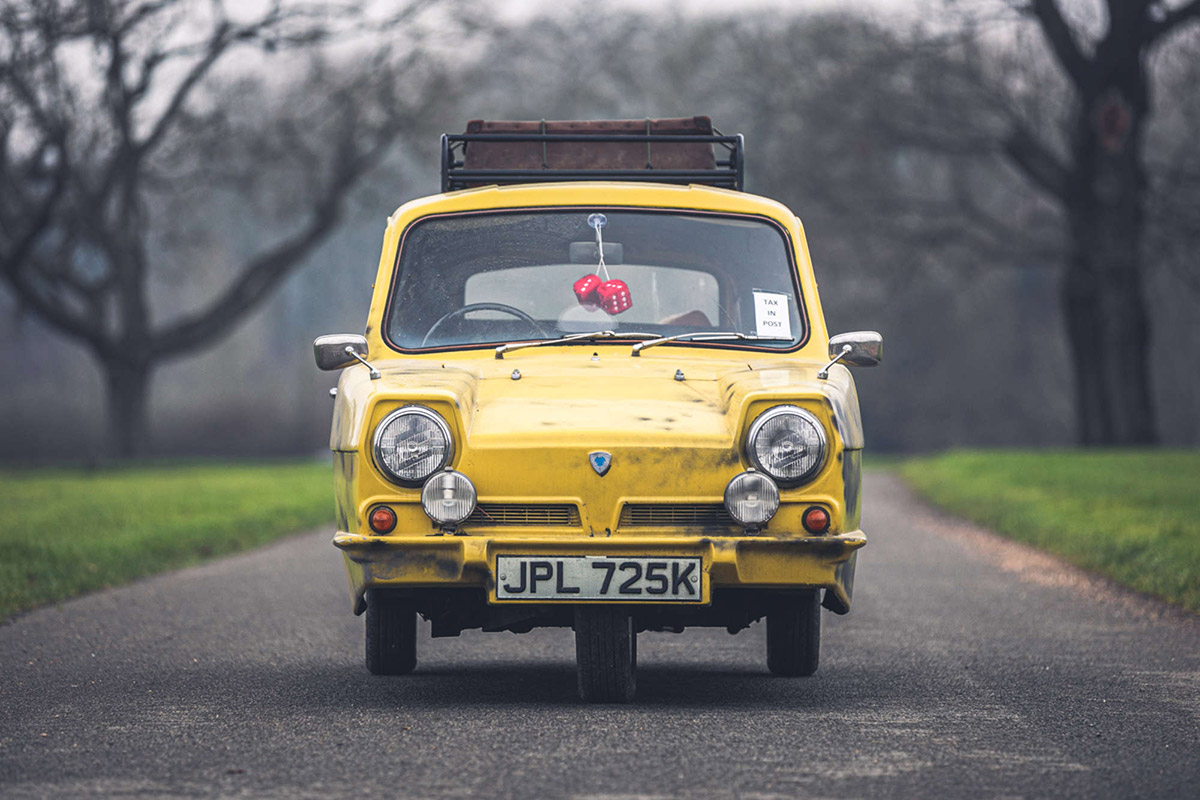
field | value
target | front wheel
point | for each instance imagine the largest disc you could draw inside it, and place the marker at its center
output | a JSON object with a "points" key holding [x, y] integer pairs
{"points": [[794, 634], [391, 634], [605, 654]]}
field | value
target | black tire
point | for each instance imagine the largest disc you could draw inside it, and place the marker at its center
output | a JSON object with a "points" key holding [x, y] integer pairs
{"points": [[391, 634], [605, 654], [794, 634]]}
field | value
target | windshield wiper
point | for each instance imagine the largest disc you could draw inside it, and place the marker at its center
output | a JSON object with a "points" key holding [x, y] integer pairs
{"points": [[574, 337], [706, 337]]}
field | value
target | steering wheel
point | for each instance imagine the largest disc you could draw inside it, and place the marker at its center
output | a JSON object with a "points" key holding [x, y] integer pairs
{"points": [[470, 307]]}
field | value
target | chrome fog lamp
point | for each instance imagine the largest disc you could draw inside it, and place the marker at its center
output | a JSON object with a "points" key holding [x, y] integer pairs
{"points": [[448, 497], [751, 498]]}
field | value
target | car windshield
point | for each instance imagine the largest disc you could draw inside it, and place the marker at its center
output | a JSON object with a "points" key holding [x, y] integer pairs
{"points": [[504, 277]]}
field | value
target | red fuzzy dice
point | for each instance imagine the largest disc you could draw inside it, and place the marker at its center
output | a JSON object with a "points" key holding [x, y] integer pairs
{"points": [[614, 296], [585, 290]]}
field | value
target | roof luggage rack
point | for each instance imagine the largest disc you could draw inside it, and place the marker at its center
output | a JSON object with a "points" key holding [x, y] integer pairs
{"points": [[651, 150]]}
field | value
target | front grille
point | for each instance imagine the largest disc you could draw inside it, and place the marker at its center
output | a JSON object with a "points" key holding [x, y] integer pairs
{"points": [[666, 515], [492, 514]]}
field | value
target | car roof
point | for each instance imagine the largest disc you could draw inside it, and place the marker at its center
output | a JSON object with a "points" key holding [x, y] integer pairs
{"points": [[592, 193]]}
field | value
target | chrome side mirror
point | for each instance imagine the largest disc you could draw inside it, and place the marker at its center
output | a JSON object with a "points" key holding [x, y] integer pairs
{"points": [[866, 348], [856, 349], [331, 353]]}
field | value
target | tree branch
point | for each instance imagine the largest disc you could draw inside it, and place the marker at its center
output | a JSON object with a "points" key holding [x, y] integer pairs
{"points": [[53, 310], [260, 276], [1173, 19], [11, 260], [37, 219], [142, 13], [216, 46], [1037, 162], [19, 255], [1062, 41], [224, 34], [55, 313]]}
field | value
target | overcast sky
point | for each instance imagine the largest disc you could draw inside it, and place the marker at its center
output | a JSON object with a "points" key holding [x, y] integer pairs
{"points": [[519, 8]]}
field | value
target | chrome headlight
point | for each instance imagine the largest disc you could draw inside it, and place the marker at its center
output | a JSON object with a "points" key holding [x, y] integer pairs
{"points": [[787, 443], [751, 498], [448, 497], [411, 444]]}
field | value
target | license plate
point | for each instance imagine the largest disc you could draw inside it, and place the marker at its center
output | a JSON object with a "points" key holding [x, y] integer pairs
{"points": [[619, 579]]}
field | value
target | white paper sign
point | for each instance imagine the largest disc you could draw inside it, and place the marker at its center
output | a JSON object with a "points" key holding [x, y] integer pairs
{"points": [[771, 317]]}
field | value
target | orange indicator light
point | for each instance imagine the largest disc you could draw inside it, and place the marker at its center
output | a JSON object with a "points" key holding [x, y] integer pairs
{"points": [[382, 519], [816, 519]]}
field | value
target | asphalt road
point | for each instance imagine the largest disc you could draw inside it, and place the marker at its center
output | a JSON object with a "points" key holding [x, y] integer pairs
{"points": [[967, 668]]}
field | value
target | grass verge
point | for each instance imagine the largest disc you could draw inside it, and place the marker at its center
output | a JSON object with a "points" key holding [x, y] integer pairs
{"points": [[1132, 515], [65, 531]]}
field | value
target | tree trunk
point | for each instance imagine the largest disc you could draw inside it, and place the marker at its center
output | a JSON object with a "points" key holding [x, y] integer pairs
{"points": [[1104, 303], [1108, 332], [128, 384]]}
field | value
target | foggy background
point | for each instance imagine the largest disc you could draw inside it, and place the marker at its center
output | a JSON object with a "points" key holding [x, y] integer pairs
{"points": [[883, 128]]}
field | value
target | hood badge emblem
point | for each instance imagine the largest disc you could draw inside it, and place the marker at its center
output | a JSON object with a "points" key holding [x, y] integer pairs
{"points": [[600, 461]]}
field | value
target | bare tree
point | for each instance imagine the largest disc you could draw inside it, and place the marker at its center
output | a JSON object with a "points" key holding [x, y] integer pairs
{"points": [[1101, 185], [1071, 118], [101, 104]]}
